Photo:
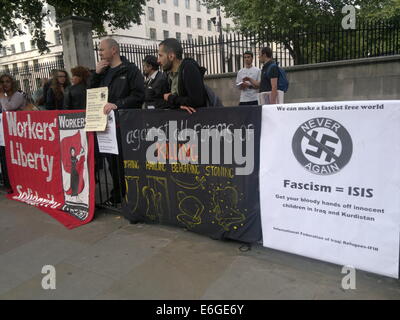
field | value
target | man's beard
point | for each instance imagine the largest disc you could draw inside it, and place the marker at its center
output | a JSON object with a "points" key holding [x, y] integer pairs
{"points": [[167, 66]]}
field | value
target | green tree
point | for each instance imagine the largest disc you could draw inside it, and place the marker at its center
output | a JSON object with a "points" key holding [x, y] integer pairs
{"points": [[386, 15], [381, 9], [275, 20], [114, 13], [258, 15]]}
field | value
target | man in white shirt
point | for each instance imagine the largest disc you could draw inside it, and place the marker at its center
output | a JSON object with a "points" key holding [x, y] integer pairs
{"points": [[155, 85], [268, 85], [248, 93]]}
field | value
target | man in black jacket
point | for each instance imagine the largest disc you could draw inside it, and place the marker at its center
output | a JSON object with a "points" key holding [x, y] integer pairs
{"points": [[185, 76], [123, 78], [125, 90], [156, 84]]}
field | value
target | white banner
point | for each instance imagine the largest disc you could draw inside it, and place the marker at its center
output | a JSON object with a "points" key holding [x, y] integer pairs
{"points": [[96, 99], [330, 182], [107, 140], [2, 143]]}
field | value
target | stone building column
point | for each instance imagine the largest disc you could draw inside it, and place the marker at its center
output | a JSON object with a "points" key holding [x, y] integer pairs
{"points": [[77, 42]]}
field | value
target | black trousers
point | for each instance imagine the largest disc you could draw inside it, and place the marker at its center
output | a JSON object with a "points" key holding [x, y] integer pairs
{"points": [[116, 168], [3, 163]]}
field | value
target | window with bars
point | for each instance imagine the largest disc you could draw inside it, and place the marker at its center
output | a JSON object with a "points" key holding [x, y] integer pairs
{"points": [[151, 14], [153, 34], [166, 34], [177, 19], [164, 14]]}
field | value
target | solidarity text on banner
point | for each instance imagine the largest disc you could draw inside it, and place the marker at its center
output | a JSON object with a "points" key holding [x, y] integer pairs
{"points": [[50, 163]]}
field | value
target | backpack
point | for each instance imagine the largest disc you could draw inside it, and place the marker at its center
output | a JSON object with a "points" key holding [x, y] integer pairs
{"points": [[283, 83], [212, 100]]}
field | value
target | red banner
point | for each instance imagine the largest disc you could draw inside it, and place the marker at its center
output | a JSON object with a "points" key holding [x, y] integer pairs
{"points": [[50, 163]]}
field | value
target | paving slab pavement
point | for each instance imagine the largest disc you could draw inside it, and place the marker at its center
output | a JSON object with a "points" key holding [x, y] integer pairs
{"points": [[112, 259]]}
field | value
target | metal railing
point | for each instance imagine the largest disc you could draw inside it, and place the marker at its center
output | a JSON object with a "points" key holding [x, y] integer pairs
{"points": [[292, 46], [29, 76]]}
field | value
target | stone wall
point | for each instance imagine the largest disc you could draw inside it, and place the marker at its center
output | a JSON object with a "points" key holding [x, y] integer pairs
{"points": [[360, 79]]}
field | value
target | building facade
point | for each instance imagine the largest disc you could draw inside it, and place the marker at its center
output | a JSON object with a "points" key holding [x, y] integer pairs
{"points": [[181, 19], [18, 49]]}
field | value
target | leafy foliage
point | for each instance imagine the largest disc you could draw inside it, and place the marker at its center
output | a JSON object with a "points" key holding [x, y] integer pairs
{"points": [[275, 20], [114, 13]]}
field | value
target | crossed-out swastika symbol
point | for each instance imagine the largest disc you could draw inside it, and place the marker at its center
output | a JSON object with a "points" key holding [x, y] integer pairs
{"points": [[321, 146]]}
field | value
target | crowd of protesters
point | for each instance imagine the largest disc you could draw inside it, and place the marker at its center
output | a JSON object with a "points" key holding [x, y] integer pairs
{"points": [[180, 85]]}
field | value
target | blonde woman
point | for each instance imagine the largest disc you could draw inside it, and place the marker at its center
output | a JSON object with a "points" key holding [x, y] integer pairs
{"points": [[13, 99]]}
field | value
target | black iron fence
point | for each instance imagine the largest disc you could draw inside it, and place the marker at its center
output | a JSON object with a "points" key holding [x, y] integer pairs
{"points": [[29, 75], [110, 181], [292, 46]]}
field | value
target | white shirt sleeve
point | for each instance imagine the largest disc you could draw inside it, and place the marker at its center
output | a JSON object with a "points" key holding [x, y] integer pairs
{"points": [[239, 76]]}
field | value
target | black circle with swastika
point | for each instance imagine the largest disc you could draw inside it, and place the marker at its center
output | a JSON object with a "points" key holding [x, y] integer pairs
{"points": [[337, 131]]}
